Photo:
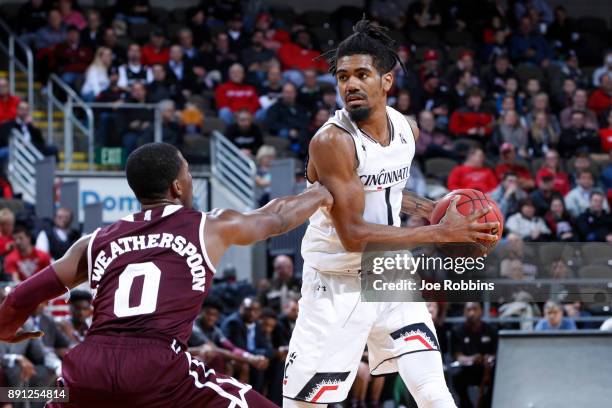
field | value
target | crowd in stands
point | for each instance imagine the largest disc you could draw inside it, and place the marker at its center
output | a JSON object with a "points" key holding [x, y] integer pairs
{"points": [[515, 101]]}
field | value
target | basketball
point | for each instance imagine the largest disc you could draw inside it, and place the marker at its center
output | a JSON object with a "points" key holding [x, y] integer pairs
{"points": [[470, 200]]}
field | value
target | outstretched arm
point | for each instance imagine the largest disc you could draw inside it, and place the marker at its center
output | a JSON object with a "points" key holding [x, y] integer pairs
{"points": [[49, 283], [279, 216]]}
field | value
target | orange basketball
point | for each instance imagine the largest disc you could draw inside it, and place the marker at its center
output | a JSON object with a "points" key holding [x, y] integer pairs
{"points": [[470, 201]]}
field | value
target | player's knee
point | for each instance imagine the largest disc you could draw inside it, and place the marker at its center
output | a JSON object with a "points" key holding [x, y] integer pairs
{"points": [[434, 394]]}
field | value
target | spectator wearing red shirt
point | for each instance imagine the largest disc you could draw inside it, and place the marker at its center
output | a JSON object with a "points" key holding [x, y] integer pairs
{"points": [[71, 57], [233, 95], [7, 223], [25, 260], [601, 98], [552, 167], [471, 120], [155, 52], [298, 56], [473, 174], [8, 102], [508, 164], [606, 134]]}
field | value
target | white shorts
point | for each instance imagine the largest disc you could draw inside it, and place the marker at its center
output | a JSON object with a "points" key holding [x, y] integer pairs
{"points": [[332, 330]]}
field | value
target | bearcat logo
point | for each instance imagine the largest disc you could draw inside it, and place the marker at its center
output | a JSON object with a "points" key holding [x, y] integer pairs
{"points": [[290, 361], [385, 177], [319, 384]]}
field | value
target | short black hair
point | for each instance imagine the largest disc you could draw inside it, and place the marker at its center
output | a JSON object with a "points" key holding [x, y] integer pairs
{"points": [[21, 227], [212, 302], [78, 295], [151, 169], [370, 39], [268, 312]]}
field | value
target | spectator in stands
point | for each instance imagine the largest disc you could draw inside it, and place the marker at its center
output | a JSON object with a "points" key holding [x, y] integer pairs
{"points": [[432, 142], [160, 87], [185, 41], [605, 69], [310, 92], [134, 11], [595, 223], [8, 102], [579, 103], [156, 51], [431, 63], [264, 158], [180, 73], [7, 223], [197, 25], [508, 163], [23, 124], [561, 32], [508, 194], [463, 66], [529, 46], [459, 90], [192, 119], [56, 239], [271, 89], [473, 173], [133, 70], [109, 40], [206, 331], [51, 34], [554, 319], [256, 56], [298, 56], [172, 132], [543, 134], [435, 97], [106, 133], [403, 104], [137, 122], [527, 224], [329, 99], [284, 285], [471, 120], [92, 35], [96, 76], [237, 37], [72, 58], [28, 363], [32, 15], [243, 329], [606, 173], [288, 318], [543, 195], [24, 260], [579, 137], [280, 347], [498, 46], [70, 16], [511, 131], [234, 95], [289, 120], [552, 166], [541, 104], [601, 98], [319, 118], [570, 68], [245, 134], [424, 14], [578, 199], [474, 345], [559, 220], [54, 337], [495, 79], [76, 325], [511, 91], [605, 133], [221, 58]]}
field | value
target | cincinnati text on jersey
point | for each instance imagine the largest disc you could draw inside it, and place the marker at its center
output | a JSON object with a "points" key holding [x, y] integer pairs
{"points": [[385, 177]]}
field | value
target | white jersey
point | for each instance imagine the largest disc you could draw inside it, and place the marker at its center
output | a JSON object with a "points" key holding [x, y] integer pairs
{"points": [[383, 170]]}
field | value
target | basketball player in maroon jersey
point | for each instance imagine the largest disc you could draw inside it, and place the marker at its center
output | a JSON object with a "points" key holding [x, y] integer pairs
{"points": [[150, 273]]}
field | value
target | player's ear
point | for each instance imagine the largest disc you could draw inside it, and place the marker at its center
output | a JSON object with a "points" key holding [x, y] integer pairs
{"points": [[387, 81], [175, 189]]}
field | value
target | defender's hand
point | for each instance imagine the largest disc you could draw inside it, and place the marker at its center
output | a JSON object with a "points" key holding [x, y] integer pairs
{"points": [[20, 336], [327, 200]]}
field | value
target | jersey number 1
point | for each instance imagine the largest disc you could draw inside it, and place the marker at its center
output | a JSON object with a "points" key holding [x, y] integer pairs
{"points": [[150, 287]]}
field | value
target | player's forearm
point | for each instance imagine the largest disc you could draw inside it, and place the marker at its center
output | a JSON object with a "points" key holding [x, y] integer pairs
{"points": [[25, 298], [292, 211], [369, 233]]}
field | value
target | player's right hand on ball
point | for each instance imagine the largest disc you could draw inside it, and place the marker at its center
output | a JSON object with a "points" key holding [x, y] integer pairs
{"points": [[460, 228]]}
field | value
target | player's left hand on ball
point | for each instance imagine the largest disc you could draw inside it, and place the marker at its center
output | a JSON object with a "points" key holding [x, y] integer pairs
{"points": [[21, 336]]}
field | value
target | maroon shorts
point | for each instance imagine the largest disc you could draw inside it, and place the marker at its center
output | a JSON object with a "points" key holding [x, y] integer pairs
{"points": [[130, 372]]}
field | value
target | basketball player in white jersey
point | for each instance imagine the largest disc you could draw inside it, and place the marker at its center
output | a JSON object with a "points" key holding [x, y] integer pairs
{"points": [[363, 156]]}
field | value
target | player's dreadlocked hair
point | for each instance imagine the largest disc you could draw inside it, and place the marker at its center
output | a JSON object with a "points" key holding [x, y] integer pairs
{"points": [[370, 39]]}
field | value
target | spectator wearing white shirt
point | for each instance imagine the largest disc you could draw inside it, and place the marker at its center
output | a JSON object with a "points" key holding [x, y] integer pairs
{"points": [[526, 224], [96, 76], [133, 70], [605, 69], [578, 199]]}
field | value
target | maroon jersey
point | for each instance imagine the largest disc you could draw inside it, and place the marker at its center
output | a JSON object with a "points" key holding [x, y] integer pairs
{"points": [[149, 273]]}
